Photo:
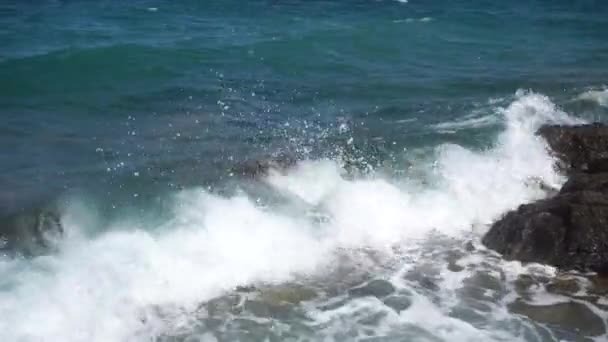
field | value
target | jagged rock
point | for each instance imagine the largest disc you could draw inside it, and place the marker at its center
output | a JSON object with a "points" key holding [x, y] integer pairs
{"points": [[585, 181], [580, 148], [569, 231]]}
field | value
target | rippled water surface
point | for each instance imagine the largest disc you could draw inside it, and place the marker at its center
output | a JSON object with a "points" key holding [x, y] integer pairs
{"points": [[287, 170]]}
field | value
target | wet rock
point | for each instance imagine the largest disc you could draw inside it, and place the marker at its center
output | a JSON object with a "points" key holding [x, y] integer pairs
{"points": [[524, 283], [599, 285], [469, 315], [582, 148], [429, 284], [398, 303], [564, 286], [469, 247], [372, 319], [378, 288], [452, 258], [454, 267], [245, 288], [586, 182], [570, 316], [261, 308], [222, 306], [292, 294], [569, 231]]}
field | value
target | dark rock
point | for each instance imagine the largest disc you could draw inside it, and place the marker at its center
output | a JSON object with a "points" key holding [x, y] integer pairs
{"points": [[580, 148], [469, 247], [398, 303], [378, 288], [569, 231], [599, 285], [585, 181], [454, 267], [245, 288], [564, 286], [571, 316], [524, 283]]}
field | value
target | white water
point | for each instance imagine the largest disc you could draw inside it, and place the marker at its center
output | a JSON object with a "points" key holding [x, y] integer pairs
{"points": [[110, 287], [598, 96]]}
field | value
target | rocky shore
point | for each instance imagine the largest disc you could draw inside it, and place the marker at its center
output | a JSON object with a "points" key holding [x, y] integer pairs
{"points": [[568, 230]]}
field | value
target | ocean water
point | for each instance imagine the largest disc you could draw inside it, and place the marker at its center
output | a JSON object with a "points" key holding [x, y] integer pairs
{"points": [[397, 132]]}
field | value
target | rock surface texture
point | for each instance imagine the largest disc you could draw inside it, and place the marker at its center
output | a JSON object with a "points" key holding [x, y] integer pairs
{"points": [[570, 229]]}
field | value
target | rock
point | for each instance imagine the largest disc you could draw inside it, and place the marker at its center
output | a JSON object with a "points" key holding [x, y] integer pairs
{"points": [[599, 285], [564, 286], [585, 181], [378, 288], [245, 288], [454, 267], [292, 294], [262, 308], [524, 283], [469, 247], [580, 148], [569, 231], [398, 303], [571, 316]]}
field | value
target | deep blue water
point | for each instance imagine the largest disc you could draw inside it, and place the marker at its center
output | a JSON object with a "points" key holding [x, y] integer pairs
{"points": [[114, 111], [173, 90]]}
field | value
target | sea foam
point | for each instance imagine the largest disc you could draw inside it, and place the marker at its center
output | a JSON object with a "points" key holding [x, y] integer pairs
{"points": [[135, 283]]}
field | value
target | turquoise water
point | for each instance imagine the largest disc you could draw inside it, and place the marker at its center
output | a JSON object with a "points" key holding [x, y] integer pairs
{"points": [[405, 118], [127, 78]]}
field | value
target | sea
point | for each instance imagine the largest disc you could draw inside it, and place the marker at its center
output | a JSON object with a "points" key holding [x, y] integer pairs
{"points": [[287, 170]]}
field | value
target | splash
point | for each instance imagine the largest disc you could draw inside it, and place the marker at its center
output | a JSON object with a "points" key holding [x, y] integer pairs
{"points": [[598, 96], [135, 283]]}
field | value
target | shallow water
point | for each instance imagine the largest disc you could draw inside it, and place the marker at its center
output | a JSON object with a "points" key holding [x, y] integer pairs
{"points": [[399, 131]]}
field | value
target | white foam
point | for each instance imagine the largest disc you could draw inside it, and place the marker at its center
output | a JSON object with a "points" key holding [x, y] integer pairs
{"points": [[598, 96], [468, 122], [109, 288]]}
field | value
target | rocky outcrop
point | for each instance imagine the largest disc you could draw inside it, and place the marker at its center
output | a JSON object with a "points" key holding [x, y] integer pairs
{"points": [[570, 229], [582, 148]]}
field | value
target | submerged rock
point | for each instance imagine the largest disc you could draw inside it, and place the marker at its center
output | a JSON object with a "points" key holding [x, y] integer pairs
{"points": [[398, 302], [377, 288], [292, 294], [572, 316]]}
